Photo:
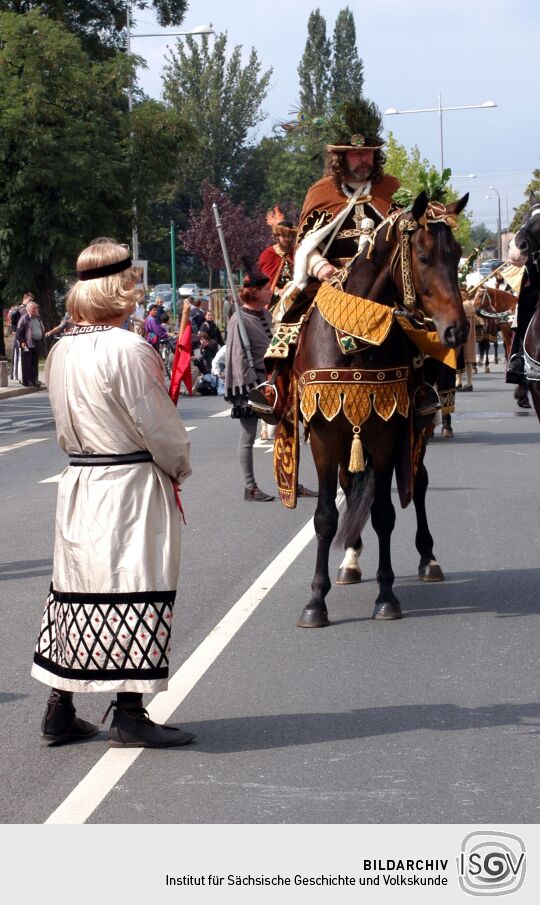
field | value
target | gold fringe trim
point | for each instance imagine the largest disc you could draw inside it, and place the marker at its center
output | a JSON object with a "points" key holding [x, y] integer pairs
{"points": [[356, 400], [359, 317]]}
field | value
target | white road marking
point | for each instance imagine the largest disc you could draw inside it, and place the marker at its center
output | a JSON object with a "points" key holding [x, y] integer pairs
{"points": [[221, 414], [194, 428], [81, 803], [6, 449]]}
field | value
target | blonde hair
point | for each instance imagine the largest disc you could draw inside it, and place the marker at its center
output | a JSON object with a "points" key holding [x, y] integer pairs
{"points": [[107, 297]]}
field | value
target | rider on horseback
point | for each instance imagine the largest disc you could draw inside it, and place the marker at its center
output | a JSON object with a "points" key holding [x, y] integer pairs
{"points": [[338, 217]]}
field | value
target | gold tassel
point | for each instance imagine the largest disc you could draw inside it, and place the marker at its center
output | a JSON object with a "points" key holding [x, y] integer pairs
{"points": [[356, 462]]}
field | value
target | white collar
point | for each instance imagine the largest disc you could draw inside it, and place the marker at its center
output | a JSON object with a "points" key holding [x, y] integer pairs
{"points": [[365, 189]]}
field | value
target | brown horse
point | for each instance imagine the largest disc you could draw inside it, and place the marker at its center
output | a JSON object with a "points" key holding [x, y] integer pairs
{"points": [[490, 303], [526, 251], [412, 260]]}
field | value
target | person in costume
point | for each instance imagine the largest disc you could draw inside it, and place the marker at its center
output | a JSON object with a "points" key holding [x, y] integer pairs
{"points": [[338, 216], [277, 260], [107, 620], [240, 377]]}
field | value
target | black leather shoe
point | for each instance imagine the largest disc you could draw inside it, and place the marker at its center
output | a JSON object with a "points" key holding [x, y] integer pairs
{"points": [[60, 725], [135, 729], [255, 495]]}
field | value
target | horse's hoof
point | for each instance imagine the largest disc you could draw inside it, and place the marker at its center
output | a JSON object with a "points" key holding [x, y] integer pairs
{"points": [[430, 572], [349, 576], [387, 611], [313, 619]]}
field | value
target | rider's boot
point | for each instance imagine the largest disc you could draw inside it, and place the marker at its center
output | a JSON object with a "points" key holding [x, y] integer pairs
{"points": [[426, 403]]}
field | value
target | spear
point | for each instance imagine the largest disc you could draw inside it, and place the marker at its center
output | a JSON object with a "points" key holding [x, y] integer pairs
{"points": [[239, 316]]}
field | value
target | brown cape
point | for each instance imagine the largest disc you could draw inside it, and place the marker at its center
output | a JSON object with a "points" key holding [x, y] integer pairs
{"points": [[323, 196]]}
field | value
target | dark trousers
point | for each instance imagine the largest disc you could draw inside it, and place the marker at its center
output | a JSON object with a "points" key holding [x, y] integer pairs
{"points": [[30, 365]]}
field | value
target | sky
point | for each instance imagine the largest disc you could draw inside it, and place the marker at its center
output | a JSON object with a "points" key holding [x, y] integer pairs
{"points": [[468, 51]]}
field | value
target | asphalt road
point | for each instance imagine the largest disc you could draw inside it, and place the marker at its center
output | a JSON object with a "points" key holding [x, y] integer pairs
{"points": [[431, 719]]}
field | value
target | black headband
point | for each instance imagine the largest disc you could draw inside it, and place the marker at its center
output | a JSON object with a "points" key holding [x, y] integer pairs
{"points": [[106, 271]]}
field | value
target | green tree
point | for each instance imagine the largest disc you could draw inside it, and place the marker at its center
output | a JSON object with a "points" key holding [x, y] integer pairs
{"points": [[407, 166], [520, 212], [99, 24], [221, 100], [314, 68], [347, 72], [63, 173], [279, 170]]}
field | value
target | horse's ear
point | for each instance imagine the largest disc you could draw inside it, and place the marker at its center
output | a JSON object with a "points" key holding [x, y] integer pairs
{"points": [[533, 199], [457, 206], [420, 204]]}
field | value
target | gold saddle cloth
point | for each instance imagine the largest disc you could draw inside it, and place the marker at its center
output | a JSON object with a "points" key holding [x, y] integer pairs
{"points": [[359, 317]]}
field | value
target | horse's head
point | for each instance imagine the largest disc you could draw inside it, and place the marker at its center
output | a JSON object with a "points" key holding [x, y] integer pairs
{"points": [[426, 238], [525, 246]]}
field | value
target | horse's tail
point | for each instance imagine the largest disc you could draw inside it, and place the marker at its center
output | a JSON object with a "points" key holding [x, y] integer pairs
{"points": [[359, 503]]}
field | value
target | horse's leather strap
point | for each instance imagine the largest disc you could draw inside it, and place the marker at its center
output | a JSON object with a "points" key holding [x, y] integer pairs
{"points": [[353, 375]]}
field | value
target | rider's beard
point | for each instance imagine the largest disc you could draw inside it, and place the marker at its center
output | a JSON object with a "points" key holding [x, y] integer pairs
{"points": [[361, 173]]}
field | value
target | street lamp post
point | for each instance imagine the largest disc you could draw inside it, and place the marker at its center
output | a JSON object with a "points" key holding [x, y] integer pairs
{"points": [[499, 229], [440, 110], [199, 30]]}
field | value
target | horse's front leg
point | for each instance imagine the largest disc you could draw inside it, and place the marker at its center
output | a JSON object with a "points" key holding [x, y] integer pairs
{"points": [[383, 519], [349, 571], [315, 614], [428, 568]]}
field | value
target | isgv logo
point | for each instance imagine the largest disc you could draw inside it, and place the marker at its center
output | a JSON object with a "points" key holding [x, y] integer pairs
{"points": [[491, 864]]}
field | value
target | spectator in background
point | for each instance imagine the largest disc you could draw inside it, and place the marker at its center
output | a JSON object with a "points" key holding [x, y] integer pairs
{"points": [[16, 314], [197, 315], [160, 308], [218, 370], [212, 330], [61, 328], [153, 328], [228, 311], [30, 333]]}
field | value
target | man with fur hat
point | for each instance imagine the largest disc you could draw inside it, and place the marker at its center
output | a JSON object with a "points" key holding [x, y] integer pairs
{"points": [[277, 261]]}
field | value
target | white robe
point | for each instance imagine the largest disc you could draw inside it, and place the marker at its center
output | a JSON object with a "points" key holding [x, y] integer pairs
{"points": [[106, 625]]}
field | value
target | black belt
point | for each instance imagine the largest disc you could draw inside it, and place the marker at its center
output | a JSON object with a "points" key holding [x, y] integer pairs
{"points": [[106, 459]]}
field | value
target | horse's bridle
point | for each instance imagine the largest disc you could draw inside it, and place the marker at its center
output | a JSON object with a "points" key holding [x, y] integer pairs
{"points": [[531, 241], [435, 213]]}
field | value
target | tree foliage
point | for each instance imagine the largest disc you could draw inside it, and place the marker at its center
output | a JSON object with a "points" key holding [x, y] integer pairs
{"points": [[521, 212], [221, 100], [62, 149], [245, 236], [99, 24], [412, 171], [347, 72], [314, 68], [71, 159]]}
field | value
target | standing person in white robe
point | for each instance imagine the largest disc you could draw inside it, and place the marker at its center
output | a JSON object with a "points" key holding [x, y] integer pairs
{"points": [[107, 620]]}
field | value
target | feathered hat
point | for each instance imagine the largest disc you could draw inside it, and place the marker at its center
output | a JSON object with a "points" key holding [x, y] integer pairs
{"points": [[279, 224], [355, 124]]}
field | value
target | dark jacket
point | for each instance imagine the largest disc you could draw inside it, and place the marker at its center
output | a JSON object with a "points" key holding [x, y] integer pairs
{"points": [[24, 331]]}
